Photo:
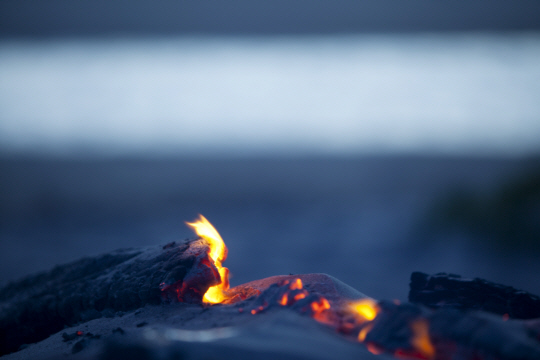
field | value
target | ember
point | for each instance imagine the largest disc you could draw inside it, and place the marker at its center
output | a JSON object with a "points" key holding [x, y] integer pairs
{"points": [[365, 308], [421, 340], [446, 322], [291, 293]]}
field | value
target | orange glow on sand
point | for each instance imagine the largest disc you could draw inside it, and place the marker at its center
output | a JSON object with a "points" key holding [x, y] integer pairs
{"points": [[217, 251], [421, 340]]}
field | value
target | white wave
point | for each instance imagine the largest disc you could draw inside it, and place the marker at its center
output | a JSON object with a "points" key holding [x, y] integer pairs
{"points": [[465, 93]]}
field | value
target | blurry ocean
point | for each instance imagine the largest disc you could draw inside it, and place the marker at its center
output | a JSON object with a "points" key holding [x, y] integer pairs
{"points": [[308, 154], [438, 93]]}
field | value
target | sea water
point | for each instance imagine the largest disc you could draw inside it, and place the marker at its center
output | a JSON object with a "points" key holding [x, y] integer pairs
{"points": [[443, 93]]}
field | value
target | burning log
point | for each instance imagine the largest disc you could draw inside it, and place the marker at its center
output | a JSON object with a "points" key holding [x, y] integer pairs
{"points": [[448, 290], [462, 320], [43, 304], [192, 273], [408, 330]]}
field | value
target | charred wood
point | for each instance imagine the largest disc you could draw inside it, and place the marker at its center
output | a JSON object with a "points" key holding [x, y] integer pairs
{"points": [[453, 291], [43, 304], [479, 335], [453, 334]]}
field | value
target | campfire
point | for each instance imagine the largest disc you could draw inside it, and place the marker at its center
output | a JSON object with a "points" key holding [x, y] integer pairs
{"points": [[382, 327], [354, 319], [447, 317]]}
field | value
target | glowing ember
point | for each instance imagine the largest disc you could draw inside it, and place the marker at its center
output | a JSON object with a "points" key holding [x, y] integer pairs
{"points": [[319, 310], [366, 308], [320, 306], [295, 291], [374, 349], [357, 315], [257, 310], [296, 284], [421, 340], [217, 251], [363, 333]]}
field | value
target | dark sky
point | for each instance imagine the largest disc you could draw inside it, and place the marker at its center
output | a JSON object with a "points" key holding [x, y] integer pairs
{"points": [[49, 18]]}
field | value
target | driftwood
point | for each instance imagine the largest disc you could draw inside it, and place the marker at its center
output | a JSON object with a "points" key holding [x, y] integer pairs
{"points": [[453, 291], [43, 304]]}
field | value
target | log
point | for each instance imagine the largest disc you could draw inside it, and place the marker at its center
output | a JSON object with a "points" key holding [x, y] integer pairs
{"points": [[454, 334], [40, 305], [453, 291]]}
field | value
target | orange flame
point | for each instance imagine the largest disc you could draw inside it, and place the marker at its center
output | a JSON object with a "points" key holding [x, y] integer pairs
{"points": [[218, 253], [367, 309], [421, 340], [363, 333]]}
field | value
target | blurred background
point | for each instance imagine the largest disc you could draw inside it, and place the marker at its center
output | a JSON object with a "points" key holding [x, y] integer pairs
{"points": [[364, 139]]}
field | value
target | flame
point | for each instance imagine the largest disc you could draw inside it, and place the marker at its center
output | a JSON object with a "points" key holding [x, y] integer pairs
{"points": [[360, 314], [421, 340], [363, 333], [367, 308], [217, 251]]}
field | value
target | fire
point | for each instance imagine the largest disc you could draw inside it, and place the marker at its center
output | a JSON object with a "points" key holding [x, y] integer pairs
{"points": [[363, 333], [217, 251], [359, 315], [366, 308], [421, 340]]}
